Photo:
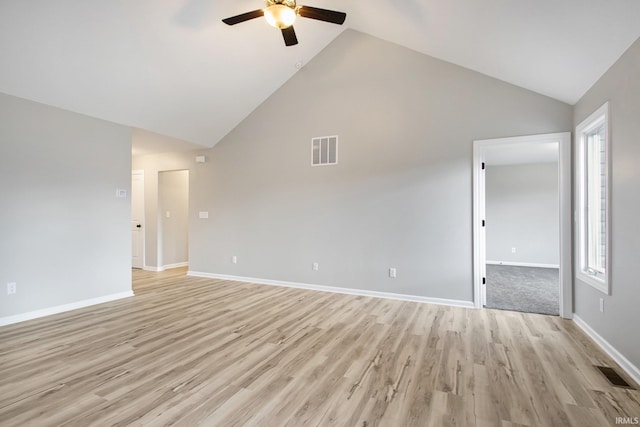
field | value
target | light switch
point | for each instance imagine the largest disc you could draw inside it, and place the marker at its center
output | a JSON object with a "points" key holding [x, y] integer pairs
{"points": [[168, 214], [204, 215]]}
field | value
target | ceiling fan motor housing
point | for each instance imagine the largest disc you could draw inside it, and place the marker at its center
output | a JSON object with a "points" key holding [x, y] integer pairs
{"points": [[288, 3]]}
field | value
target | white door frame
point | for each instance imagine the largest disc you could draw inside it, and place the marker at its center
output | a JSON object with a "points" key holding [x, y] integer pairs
{"points": [[564, 203], [140, 172]]}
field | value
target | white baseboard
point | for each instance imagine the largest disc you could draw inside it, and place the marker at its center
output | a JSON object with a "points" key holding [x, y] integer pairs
{"points": [[624, 363], [165, 267], [334, 289], [523, 264], [62, 308], [175, 265]]}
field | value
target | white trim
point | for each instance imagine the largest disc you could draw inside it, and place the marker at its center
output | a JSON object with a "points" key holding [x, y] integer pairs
{"points": [[523, 264], [598, 117], [166, 267], [62, 308], [175, 265], [566, 226], [564, 203], [140, 172], [624, 363], [334, 289], [479, 232]]}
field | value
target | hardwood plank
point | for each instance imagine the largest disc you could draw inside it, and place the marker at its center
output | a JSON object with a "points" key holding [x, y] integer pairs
{"points": [[194, 351]]}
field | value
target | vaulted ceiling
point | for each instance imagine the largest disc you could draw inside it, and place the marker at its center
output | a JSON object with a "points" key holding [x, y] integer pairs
{"points": [[173, 68]]}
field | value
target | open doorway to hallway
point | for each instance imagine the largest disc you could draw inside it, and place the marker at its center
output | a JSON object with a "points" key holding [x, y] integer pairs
{"points": [[522, 224], [173, 219], [522, 229]]}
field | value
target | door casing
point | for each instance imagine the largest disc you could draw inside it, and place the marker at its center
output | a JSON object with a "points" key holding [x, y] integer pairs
{"points": [[137, 218], [564, 203]]}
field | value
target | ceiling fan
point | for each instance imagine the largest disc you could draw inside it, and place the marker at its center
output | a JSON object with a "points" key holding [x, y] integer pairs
{"points": [[282, 13]]}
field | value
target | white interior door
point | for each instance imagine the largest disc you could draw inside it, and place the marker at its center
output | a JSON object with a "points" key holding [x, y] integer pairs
{"points": [[137, 219]]}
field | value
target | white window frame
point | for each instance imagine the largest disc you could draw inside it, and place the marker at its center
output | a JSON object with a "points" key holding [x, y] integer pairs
{"points": [[601, 282]]}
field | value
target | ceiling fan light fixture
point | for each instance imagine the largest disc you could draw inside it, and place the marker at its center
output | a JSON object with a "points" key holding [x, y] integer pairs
{"points": [[280, 16]]}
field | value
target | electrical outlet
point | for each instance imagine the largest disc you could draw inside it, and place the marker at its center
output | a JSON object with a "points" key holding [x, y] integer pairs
{"points": [[12, 288], [601, 305], [392, 273], [316, 266], [234, 259], [513, 250]]}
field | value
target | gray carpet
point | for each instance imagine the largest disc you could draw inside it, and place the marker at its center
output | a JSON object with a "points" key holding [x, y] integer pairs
{"points": [[528, 289]]}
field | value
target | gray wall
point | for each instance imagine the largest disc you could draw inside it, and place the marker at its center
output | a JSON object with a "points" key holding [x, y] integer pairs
{"points": [[65, 235], [401, 193], [619, 322], [522, 212], [173, 231]]}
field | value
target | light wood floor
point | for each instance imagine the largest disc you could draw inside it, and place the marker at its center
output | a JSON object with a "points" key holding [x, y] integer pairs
{"points": [[190, 351]]}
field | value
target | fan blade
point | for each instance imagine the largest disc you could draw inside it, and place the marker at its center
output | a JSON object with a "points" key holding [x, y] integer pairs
{"points": [[289, 35], [332, 16], [243, 17]]}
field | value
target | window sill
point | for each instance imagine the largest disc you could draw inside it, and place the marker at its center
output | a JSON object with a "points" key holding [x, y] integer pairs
{"points": [[599, 284]]}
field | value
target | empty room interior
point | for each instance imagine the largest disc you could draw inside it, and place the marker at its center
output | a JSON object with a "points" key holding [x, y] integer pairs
{"points": [[397, 214]]}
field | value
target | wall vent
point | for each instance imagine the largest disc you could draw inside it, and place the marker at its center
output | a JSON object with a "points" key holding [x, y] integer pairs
{"points": [[613, 377], [324, 151]]}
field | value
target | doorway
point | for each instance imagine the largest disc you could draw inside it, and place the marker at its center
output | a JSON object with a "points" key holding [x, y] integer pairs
{"points": [[519, 256], [521, 212], [137, 219], [173, 219]]}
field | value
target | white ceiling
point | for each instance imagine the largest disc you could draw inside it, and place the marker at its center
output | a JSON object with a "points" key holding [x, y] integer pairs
{"points": [[173, 68]]}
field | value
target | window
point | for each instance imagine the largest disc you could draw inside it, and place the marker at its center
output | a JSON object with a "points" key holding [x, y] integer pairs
{"points": [[592, 204]]}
